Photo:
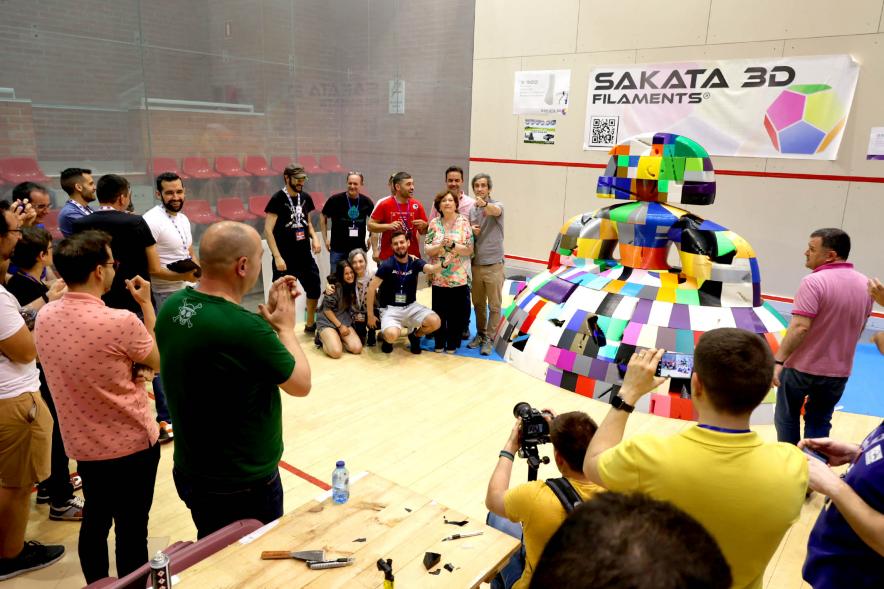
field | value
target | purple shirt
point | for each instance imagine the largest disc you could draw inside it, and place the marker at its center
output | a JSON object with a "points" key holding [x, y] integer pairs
{"points": [[837, 298]]}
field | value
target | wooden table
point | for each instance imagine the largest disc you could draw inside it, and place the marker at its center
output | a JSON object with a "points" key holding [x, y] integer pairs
{"points": [[396, 523]]}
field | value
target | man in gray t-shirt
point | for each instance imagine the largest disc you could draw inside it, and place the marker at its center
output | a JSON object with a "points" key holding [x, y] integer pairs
{"points": [[487, 221]]}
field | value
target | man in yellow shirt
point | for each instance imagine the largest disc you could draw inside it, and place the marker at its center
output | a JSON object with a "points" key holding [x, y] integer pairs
{"points": [[746, 492], [534, 504]]}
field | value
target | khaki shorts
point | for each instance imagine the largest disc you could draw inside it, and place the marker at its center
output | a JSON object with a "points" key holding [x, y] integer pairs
{"points": [[25, 440]]}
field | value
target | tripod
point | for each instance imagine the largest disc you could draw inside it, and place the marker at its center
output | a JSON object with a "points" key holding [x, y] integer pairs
{"points": [[530, 453]]}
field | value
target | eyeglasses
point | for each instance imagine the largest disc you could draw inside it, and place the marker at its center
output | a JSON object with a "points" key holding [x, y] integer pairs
{"points": [[114, 263]]}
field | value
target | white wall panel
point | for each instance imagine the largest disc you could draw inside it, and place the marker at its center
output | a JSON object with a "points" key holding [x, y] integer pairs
{"points": [[756, 20], [493, 128], [631, 24], [509, 28], [864, 221]]}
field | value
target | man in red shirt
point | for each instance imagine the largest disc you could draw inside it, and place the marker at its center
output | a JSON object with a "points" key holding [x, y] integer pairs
{"points": [[399, 212]]}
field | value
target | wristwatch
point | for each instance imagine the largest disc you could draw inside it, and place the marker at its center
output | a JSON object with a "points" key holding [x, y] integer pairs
{"points": [[617, 402]]}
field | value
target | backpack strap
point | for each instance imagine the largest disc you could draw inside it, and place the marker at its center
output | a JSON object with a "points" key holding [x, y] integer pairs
{"points": [[565, 493]]}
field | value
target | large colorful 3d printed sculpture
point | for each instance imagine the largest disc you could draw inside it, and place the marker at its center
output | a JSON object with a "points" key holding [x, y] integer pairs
{"points": [[577, 324]]}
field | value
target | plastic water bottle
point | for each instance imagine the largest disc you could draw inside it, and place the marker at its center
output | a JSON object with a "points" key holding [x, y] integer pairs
{"points": [[340, 483]]}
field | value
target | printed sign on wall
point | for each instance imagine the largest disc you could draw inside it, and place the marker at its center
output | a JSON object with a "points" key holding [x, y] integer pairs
{"points": [[540, 131], [541, 92], [792, 107]]}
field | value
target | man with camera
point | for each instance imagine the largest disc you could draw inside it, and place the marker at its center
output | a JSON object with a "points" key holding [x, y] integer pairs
{"points": [[540, 506], [746, 492]]}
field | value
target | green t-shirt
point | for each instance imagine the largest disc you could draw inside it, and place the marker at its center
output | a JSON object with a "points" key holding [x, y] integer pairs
{"points": [[221, 366]]}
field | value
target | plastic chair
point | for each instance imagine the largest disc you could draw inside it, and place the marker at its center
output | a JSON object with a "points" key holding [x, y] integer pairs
{"points": [[199, 168], [21, 169], [200, 212], [167, 164], [318, 200], [229, 167], [231, 208], [331, 164], [183, 555], [308, 162], [256, 165], [257, 204], [50, 222], [278, 163]]}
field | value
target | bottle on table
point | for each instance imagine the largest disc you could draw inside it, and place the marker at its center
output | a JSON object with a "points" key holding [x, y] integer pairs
{"points": [[340, 483]]}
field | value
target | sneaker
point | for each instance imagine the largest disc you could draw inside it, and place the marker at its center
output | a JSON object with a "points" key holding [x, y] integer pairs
{"points": [[487, 346], [386, 347], [415, 343], [32, 557], [42, 494], [371, 338], [70, 511], [476, 341], [166, 432], [310, 328], [76, 482]]}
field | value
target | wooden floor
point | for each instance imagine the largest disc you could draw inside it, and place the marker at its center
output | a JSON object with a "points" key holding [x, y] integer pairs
{"points": [[433, 423]]}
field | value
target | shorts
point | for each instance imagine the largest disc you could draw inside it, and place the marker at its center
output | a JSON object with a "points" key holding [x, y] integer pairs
{"points": [[410, 316], [307, 273], [25, 440]]}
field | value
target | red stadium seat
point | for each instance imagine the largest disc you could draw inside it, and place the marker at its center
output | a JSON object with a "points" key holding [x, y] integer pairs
{"points": [[21, 169], [257, 204], [230, 208], [50, 221], [229, 167], [199, 168], [256, 165], [331, 164], [308, 162], [279, 162], [318, 200], [200, 212], [167, 164]]}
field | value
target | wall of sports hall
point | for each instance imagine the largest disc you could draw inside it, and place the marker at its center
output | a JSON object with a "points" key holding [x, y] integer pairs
{"points": [[774, 203]]}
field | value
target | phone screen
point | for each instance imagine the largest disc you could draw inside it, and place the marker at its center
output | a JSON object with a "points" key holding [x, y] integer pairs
{"points": [[674, 365], [818, 455]]}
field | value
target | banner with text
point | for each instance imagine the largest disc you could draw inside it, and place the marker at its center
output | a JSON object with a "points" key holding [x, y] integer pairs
{"points": [[793, 107], [541, 92]]}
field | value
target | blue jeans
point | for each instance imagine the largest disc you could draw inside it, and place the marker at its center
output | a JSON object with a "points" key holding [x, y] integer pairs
{"points": [[213, 507], [334, 258], [822, 392], [512, 571]]}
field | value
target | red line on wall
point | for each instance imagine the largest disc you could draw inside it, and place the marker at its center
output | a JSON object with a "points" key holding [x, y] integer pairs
{"points": [[304, 475], [754, 174], [768, 297]]}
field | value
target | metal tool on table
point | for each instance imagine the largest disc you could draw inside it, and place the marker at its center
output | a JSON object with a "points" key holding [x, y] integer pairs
{"points": [[315, 559], [464, 535], [386, 567]]}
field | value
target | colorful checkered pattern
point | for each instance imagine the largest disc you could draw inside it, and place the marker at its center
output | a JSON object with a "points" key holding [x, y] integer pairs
{"points": [[639, 301]]}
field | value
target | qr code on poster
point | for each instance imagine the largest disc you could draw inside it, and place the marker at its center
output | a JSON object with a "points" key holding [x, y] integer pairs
{"points": [[603, 131]]}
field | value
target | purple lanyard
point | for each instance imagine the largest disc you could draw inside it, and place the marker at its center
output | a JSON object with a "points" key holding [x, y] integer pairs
{"points": [[724, 430]]}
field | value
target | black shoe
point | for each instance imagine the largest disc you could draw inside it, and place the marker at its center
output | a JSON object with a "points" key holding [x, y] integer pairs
{"points": [[386, 347], [32, 557], [42, 494], [310, 328], [415, 342], [371, 338]]}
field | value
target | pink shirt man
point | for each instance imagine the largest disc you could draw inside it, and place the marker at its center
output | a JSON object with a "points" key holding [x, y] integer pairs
{"points": [[87, 351], [837, 298]]}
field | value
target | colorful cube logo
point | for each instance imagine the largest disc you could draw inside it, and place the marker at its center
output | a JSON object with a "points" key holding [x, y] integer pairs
{"points": [[804, 119]]}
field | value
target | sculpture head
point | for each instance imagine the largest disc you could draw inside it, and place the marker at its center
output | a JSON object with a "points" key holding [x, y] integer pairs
{"points": [[659, 167]]}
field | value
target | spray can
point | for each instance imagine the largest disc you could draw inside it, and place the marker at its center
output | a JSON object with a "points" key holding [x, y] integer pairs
{"points": [[160, 575]]}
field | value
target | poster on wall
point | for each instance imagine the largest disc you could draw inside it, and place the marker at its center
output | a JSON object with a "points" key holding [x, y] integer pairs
{"points": [[540, 131], [876, 144], [794, 107], [541, 92]]}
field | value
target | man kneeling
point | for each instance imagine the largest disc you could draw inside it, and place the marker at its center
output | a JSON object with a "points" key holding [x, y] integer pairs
{"points": [[535, 505], [397, 279]]}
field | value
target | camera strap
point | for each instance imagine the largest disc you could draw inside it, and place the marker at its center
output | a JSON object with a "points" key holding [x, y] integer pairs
{"points": [[565, 493]]}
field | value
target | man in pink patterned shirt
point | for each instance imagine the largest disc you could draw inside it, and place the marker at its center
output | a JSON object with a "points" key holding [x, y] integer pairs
{"points": [[103, 408]]}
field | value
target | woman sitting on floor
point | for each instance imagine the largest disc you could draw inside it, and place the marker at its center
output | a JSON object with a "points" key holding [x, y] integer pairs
{"points": [[334, 321]]}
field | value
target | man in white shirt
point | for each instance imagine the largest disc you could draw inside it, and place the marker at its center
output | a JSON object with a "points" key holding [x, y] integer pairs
{"points": [[25, 426], [171, 230]]}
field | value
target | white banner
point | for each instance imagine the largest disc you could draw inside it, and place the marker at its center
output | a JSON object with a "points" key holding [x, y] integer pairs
{"points": [[541, 92], [794, 107]]}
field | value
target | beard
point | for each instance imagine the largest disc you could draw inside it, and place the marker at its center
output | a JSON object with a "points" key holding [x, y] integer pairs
{"points": [[173, 206]]}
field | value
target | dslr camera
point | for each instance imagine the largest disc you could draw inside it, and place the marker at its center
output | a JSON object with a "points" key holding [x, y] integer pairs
{"points": [[535, 429]]}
